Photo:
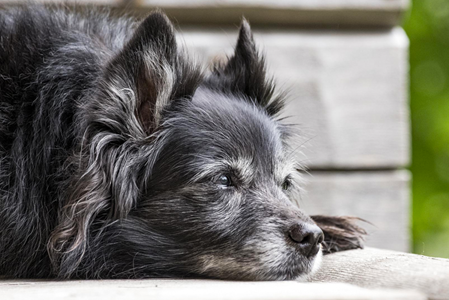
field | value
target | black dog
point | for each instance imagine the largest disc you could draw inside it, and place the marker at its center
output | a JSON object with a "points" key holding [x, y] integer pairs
{"points": [[119, 158]]}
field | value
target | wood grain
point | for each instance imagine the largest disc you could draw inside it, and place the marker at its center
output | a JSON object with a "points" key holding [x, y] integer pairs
{"points": [[193, 289], [375, 268]]}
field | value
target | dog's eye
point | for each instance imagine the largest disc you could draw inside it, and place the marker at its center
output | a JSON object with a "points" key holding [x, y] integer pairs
{"points": [[224, 180], [286, 184]]}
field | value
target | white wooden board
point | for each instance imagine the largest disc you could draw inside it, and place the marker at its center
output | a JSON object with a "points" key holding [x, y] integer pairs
{"points": [[193, 290], [348, 90], [381, 198]]}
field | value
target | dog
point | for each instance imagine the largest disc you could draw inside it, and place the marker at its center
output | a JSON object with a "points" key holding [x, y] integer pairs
{"points": [[121, 158]]}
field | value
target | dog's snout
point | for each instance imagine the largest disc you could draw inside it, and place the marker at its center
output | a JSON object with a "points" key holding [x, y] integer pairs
{"points": [[307, 238]]}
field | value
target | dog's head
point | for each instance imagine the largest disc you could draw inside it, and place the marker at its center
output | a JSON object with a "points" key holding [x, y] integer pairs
{"points": [[185, 174]]}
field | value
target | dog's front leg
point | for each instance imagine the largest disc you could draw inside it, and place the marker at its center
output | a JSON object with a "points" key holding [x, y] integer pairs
{"points": [[340, 233]]}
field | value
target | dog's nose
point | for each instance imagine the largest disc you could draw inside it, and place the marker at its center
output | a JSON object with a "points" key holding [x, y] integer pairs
{"points": [[307, 238]]}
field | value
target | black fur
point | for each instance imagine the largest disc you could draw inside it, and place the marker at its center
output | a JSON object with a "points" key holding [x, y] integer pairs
{"points": [[340, 233], [119, 158]]}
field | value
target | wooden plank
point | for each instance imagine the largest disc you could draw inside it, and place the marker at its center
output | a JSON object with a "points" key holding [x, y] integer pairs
{"points": [[375, 268], [381, 198], [291, 4], [193, 289], [348, 90], [263, 12], [284, 12]]}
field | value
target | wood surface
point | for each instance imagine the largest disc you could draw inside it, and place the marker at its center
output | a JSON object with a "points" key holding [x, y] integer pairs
{"points": [[375, 268], [284, 12], [365, 13], [193, 290]]}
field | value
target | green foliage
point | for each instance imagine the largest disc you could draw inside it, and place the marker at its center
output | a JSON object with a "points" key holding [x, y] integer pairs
{"points": [[427, 26]]}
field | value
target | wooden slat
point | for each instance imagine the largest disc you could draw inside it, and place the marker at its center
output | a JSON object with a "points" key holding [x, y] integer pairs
{"points": [[284, 12], [193, 290], [381, 198], [375, 268], [372, 13], [291, 4], [348, 91]]}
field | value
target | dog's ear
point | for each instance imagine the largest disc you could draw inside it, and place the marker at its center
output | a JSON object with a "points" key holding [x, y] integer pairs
{"points": [[150, 72], [137, 84], [245, 74]]}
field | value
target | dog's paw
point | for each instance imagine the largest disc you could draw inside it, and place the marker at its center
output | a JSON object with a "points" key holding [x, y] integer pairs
{"points": [[340, 233]]}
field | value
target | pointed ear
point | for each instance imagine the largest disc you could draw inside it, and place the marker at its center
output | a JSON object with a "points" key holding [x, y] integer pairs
{"points": [[150, 72], [245, 50], [245, 74]]}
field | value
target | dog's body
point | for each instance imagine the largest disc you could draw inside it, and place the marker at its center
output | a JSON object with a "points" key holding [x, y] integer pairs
{"points": [[120, 159]]}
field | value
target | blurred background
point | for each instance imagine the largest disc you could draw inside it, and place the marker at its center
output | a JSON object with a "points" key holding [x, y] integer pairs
{"points": [[427, 26]]}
